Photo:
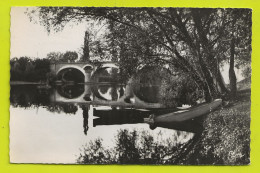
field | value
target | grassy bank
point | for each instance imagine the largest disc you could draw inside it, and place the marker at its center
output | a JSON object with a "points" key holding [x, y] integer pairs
{"points": [[226, 138]]}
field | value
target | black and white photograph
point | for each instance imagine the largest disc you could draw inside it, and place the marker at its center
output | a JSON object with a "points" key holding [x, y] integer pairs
{"points": [[130, 86]]}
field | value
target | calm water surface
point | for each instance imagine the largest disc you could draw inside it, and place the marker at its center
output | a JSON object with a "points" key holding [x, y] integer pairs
{"points": [[50, 125]]}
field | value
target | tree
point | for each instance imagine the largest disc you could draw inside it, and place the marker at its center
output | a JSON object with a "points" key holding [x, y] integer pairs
{"points": [[69, 57], [188, 40], [54, 56], [240, 46], [85, 56], [133, 147], [29, 69], [41, 69]]}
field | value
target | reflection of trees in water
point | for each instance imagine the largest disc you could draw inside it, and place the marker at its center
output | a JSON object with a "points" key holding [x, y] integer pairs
{"points": [[66, 108], [134, 147], [69, 108], [26, 96], [70, 91], [114, 91], [121, 91], [103, 89], [85, 109]]}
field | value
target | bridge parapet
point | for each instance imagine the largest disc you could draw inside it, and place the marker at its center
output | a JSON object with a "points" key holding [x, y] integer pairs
{"points": [[56, 67]]}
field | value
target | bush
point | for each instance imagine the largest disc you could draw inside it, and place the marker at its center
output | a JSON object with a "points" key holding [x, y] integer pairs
{"points": [[133, 147]]}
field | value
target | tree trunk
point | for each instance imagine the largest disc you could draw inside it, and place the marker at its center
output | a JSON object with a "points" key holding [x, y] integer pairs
{"points": [[203, 85], [189, 69], [209, 81], [197, 16], [232, 75], [221, 82]]}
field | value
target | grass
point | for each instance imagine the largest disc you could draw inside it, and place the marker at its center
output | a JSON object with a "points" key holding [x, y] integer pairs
{"points": [[226, 136]]}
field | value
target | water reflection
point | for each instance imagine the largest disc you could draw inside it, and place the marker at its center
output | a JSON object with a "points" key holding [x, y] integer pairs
{"points": [[108, 92], [102, 109], [67, 99], [70, 91], [135, 116], [29, 95], [85, 109]]}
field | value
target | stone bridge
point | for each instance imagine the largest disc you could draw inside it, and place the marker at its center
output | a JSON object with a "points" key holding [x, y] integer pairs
{"points": [[87, 69], [127, 100]]}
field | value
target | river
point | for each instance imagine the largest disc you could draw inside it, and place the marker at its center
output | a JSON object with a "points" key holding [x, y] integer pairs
{"points": [[52, 125]]}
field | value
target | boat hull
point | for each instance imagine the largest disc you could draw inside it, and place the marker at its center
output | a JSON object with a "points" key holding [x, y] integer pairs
{"points": [[182, 116]]}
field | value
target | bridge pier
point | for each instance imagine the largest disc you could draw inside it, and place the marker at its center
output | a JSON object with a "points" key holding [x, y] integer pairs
{"points": [[129, 91], [87, 93], [87, 75]]}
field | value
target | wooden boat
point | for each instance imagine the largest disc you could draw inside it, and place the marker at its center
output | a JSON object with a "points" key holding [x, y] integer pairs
{"points": [[182, 116]]}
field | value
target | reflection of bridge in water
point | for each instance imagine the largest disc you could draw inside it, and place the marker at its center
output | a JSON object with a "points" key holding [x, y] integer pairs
{"points": [[90, 95]]}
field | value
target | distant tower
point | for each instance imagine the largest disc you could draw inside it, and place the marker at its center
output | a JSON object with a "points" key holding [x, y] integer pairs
{"points": [[85, 57]]}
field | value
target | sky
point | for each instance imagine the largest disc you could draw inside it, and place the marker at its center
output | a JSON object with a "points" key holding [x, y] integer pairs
{"points": [[32, 40]]}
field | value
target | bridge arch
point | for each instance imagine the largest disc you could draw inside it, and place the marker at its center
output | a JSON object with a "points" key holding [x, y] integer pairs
{"points": [[70, 66], [77, 75], [96, 73], [88, 67], [109, 65]]}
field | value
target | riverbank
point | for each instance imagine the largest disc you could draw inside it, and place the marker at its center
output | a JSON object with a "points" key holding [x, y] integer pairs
{"points": [[226, 136], [25, 83]]}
